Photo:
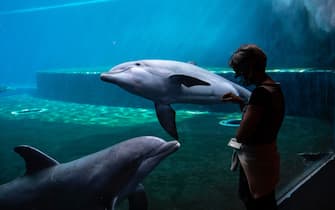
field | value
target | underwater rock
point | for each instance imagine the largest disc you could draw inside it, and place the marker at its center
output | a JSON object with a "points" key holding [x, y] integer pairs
{"points": [[97, 181]]}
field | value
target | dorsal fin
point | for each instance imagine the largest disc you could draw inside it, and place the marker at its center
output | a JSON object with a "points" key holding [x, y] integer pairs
{"points": [[188, 81], [35, 159]]}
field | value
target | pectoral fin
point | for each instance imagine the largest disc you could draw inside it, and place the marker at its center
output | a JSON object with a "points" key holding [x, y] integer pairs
{"points": [[138, 199], [167, 118], [113, 204], [188, 81]]}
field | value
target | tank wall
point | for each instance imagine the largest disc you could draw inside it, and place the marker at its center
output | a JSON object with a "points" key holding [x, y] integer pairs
{"points": [[306, 94], [85, 88]]}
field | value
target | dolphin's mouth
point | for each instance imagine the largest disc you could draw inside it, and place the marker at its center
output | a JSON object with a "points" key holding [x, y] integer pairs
{"points": [[159, 154], [148, 163], [165, 149], [108, 76], [105, 77], [111, 76]]}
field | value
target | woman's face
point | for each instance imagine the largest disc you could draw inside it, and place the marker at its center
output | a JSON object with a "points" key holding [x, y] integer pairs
{"points": [[244, 75]]}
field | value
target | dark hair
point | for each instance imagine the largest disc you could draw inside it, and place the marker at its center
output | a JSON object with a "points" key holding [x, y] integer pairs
{"points": [[249, 54]]}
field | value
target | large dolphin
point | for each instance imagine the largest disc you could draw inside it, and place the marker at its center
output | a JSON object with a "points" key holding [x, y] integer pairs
{"points": [[166, 82], [93, 182]]}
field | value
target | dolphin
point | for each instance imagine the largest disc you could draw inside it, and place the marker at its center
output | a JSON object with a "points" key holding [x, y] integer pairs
{"points": [[167, 82], [94, 182]]}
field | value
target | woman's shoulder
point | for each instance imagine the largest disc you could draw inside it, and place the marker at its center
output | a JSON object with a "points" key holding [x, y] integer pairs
{"points": [[260, 96]]}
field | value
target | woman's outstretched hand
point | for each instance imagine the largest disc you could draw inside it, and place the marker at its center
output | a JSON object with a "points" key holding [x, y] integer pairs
{"points": [[231, 97]]}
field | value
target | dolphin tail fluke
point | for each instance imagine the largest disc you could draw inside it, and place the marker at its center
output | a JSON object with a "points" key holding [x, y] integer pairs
{"points": [[167, 118]]}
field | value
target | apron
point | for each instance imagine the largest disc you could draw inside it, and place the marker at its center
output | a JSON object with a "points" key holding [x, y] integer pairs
{"points": [[260, 164]]}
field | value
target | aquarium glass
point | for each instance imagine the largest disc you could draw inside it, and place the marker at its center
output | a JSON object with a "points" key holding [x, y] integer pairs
{"points": [[52, 98]]}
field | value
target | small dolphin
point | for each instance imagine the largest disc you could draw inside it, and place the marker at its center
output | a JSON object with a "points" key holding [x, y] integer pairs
{"points": [[94, 182], [167, 82]]}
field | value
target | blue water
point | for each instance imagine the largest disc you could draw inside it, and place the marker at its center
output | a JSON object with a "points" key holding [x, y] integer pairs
{"points": [[37, 35]]}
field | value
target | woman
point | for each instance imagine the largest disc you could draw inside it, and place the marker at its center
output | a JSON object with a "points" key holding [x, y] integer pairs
{"points": [[262, 117]]}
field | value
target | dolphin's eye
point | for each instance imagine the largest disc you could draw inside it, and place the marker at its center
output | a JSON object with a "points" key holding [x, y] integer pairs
{"points": [[137, 64]]}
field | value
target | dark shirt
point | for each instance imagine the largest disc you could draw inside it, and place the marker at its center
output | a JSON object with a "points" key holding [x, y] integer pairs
{"points": [[271, 99]]}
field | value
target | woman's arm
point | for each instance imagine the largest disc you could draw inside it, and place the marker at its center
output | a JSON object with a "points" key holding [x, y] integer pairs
{"points": [[230, 97], [249, 123]]}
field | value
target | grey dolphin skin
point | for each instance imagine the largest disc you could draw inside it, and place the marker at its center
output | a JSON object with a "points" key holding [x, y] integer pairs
{"points": [[93, 182], [167, 82]]}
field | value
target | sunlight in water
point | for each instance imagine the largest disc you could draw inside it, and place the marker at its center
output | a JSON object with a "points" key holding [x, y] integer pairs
{"points": [[22, 107], [36, 9]]}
